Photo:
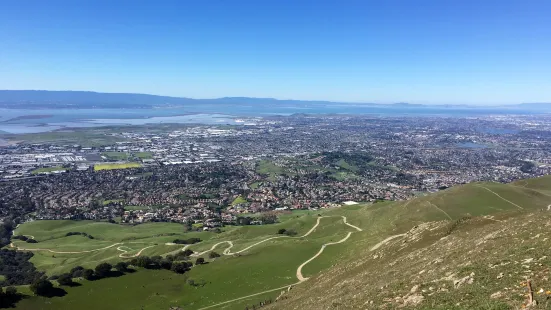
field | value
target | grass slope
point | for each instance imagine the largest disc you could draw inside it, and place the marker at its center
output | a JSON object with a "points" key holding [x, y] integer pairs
{"points": [[346, 275]]}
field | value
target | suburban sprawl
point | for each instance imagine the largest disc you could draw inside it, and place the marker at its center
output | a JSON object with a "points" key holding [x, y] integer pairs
{"points": [[208, 175]]}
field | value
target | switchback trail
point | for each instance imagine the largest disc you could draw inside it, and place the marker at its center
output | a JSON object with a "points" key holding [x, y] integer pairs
{"points": [[300, 277], [227, 251], [120, 248], [299, 274]]}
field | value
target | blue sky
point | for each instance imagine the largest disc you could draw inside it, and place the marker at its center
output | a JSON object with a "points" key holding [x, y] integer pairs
{"points": [[437, 51]]}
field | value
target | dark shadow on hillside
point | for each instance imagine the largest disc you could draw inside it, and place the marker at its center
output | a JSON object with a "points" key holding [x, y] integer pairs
{"points": [[110, 274], [74, 284], [10, 301], [55, 292]]}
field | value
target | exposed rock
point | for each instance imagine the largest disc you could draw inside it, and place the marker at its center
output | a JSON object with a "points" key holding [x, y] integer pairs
{"points": [[465, 280], [496, 295], [413, 300]]}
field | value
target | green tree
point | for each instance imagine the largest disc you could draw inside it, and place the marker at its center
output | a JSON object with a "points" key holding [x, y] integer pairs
{"points": [[165, 264], [200, 261], [88, 274], [65, 279], [180, 267], [121, 266], [268, 218], [11, 291], [103, 269], [213, 255], [41, 287]]}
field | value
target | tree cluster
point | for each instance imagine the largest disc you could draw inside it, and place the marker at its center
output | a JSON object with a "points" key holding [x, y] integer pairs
{"points": [[187, 241], [16, 268], [9, 297], [76, 233], [288, 232]]}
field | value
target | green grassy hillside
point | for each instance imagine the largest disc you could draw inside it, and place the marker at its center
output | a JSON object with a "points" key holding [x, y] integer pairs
{"points": [[393, 245]]}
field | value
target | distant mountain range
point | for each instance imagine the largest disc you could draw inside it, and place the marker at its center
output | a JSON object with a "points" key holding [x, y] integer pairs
{"points": [[23, 99]]}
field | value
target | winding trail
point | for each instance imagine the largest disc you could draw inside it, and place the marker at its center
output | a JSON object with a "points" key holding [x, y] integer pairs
{"points": [[300, 277], [299, 274], [227, 251], [491, 191], [120, 248], [66, 252]]}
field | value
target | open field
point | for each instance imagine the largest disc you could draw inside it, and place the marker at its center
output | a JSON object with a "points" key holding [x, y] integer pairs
{"points": [[108, 201], [135, 208], [238, 200], [99, 167], [144, 155], [256, 260], [47, 169], [115, 155]]}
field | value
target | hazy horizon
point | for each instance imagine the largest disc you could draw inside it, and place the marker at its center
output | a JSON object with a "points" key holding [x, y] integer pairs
{"points": [[280, 99]]}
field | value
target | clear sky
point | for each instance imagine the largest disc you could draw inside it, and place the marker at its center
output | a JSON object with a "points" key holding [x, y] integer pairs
{"points": [[418, 51]]}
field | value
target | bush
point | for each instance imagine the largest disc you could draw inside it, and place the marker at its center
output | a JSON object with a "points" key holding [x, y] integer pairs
{"points": [[20, 237], [213, 255], [88, 274], [141, 261], [77, 271], [31, 241], [166, 264], [76, 233], [103, 269], [290, 233], [187, 241], [11, 291], [42, 287], [281, 231], [200, 261], [180, 267], [65, 279], [121, 266]]}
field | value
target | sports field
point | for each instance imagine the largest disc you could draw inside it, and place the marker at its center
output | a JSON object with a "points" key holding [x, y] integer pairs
{"points": [[47, 169]]}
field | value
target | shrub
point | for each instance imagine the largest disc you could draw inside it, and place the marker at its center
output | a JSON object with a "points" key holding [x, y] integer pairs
{"points": [[88, 274], [121, 266], [166, 264], [180, 267], [42, 287], [11, 291], [187, 241], [200, 261], [65, 279], [103, 269], [213, 255], [290, 233]]}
